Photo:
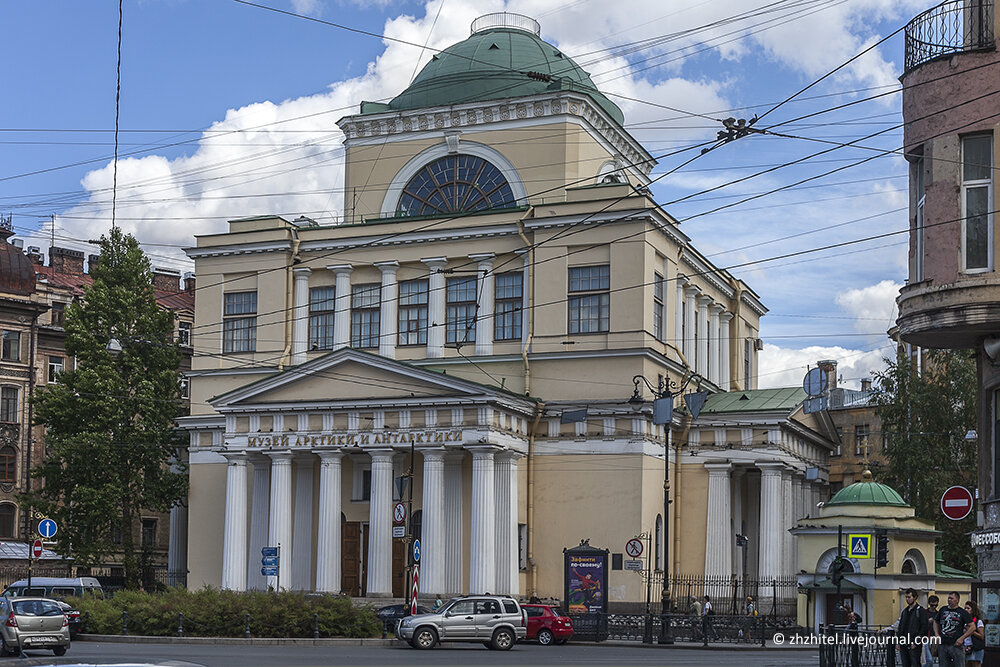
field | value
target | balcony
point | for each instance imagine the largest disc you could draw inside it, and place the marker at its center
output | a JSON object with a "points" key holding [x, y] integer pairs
{"points": [[955, 26]]}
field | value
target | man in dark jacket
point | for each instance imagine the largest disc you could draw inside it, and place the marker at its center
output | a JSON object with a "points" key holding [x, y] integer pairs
{"points": [[911, 625]]}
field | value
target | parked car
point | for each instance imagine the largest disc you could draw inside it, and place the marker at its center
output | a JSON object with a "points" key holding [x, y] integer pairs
{"points": [[547, 624], [32, 622], [496, 621], [73, 616], [390, 614], [55, 587]]}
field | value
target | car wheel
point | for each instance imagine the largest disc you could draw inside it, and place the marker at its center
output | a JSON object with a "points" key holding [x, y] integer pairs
{"points": [[503, 639], [545, 637], [59, 651], [424, 638]]}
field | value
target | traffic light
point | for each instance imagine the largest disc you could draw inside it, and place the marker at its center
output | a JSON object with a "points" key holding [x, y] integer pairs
{"points": [[882, 551], [837, 570]]}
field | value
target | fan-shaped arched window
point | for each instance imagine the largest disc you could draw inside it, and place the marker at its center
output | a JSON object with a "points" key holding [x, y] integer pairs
{"points": [[456, 184], [8, 465], [8, 514]]}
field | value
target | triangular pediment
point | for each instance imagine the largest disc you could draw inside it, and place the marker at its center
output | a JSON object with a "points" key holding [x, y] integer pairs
{"points": [[349, 376]]}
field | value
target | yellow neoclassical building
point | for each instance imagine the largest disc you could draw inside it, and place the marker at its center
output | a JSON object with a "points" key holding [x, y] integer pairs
{"points": [[501, 275]]}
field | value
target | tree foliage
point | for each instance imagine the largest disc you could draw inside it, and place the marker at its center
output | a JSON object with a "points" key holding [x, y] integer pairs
{"points": [[110, 437], [925, 418]]}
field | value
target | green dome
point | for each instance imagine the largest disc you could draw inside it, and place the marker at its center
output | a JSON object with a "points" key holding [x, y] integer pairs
{"points": [[493, 64], [867, 493]]}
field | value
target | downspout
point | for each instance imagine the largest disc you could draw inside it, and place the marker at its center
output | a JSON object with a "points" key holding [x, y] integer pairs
{"points": [[31, 416], [286, 354], [531, 302], [532, 566], [734, 338], [675, 491]]}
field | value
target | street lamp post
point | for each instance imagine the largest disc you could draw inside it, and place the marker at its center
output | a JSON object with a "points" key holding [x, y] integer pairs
{"points": [[663, 406]]}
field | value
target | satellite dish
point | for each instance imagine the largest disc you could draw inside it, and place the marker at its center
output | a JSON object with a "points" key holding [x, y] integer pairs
{"points": [[814, 382]]}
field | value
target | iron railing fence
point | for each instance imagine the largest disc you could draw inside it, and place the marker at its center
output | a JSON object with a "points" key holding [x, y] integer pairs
{"points": [[775, 597], [953, 26], [15, 572], [719, 628], [857, 648]]}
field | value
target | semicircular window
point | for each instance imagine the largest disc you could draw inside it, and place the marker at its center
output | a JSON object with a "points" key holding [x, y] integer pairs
{"points": [[456, 184]]}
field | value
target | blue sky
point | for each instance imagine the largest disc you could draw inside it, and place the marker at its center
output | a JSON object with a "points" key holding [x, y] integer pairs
{"points": [[229, 110]]}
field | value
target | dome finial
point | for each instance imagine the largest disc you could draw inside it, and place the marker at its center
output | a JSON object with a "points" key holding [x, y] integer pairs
{"points": [[866, 476]]}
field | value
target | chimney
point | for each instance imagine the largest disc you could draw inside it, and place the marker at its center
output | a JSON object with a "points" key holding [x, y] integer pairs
{"points": [[92, 261], [167, 280], [64, 260], [830, 366], [35, 255], [17, 243], [189, 282], [866, 384]]}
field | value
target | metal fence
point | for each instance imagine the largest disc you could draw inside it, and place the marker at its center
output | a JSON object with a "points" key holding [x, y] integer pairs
{"points": [[951, 27], [857, 648], [657, 628], [775, 597], [112, 578]]}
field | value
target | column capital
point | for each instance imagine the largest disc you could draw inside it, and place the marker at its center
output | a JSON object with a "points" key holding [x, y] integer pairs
{"points": [[480, 452], [770, 467], [691, 290], [715, 309], [483, 257], [301, 272], [281, 456], [719, 467], [390, 266], [725, 316], [509, 455], [383, 455], [433, 453], [329, 455], [435, 262], [340, 269], [704, 300], [235, 458]]}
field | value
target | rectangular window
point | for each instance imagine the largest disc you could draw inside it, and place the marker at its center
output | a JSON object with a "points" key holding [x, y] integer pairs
{"points": [[862, 440], [239, 322], [321, 315], [977, 202], [8, 404], [918, 232], [508, 303], [362, 482], [11, 346], [55, 368], [365, 304], [657, 306], [748, 363], [413, 312], [185, 388], [58, 314], [589, 299], [149, 533], [461, 310], [116, 534], [184, 334]]}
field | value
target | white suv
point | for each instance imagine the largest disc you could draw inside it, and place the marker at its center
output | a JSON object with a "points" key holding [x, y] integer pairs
{"points": [[496, 621]]}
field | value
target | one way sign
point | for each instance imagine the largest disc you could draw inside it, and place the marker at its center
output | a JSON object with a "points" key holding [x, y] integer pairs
{"points": [[860, 546]]}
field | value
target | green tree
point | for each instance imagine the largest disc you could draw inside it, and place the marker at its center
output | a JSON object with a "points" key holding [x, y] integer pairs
{"points": [[110, 437], [925, 417]]}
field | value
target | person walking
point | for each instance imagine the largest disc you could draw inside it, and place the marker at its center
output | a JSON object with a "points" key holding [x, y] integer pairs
{"points": [[694, 611], [975, 644], [911, 625], [706, 620], [953, 625], [931, 647]]}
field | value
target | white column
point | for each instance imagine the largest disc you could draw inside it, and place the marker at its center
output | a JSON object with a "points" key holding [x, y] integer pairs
{"points": [[387, 314], [300, 314], [507, 579], [302, 539], [453, 522], [380, 525], [718, 540], [690, 313], [703, 335], [259, 510], [280, 525], [770, 520], [484, 314], [432, 528], [435, 306], [482, 551], [328, 551], [234, 540], [787, 545], [725, 345], [713, 343], [679, 314], [177, 551], [342, 305]]}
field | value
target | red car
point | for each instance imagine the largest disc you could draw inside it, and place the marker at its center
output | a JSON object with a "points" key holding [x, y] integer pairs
{"points": [[547, 625]]}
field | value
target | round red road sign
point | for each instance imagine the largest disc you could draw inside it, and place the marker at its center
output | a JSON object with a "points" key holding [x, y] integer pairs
{"points": [[399, 513], [633, 548], [36, 548], [956, 503]]}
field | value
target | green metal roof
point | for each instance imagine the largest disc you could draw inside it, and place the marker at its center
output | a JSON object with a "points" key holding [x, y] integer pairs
{"points": [[494, 64], [757, 400], [867, 493]]}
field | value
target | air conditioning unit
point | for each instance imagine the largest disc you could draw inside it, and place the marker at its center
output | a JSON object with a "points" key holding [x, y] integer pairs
{"points": [[758, 344]]}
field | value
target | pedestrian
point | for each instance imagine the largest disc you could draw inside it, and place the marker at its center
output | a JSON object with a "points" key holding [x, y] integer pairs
{"points": [[437, 603], [931, 647], [953, 624], [911, 625], [975, 644], [694, 611], [706, 619]]}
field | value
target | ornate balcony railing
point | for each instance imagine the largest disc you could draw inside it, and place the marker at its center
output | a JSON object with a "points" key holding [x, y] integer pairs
{"points": [[954, 26]]}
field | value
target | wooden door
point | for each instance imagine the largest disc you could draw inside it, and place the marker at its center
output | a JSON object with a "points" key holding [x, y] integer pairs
{"points": [[350, 558], [831, 608], [398, 568]]}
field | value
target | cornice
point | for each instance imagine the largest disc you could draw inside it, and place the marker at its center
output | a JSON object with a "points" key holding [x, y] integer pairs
{"points": [[239, 249], [704, 270]]}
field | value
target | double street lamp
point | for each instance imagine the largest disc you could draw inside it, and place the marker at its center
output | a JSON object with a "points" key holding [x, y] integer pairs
{"points": [[663, 408]]}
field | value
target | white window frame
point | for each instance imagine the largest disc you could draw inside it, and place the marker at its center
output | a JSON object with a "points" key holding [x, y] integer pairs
{"points": [[55, 368], [184, 334], [357, 493], [967, 186], [659, 306]]}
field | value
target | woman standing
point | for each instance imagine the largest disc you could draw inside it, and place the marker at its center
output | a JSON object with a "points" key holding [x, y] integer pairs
{"points": [[975, 643]]}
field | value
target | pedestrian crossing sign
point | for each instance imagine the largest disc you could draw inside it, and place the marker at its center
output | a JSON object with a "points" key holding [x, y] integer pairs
{"points": [[859, 546]]}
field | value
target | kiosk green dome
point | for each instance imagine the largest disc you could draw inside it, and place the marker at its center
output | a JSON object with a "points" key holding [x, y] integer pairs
{"points": [[867, 492], [503, 58]]}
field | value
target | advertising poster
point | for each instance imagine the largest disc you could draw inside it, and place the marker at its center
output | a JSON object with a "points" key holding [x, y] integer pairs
{"points": [[587, 580]]}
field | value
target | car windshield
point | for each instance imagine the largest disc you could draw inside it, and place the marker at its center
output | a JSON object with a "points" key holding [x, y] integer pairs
{"points": [[36, 608]]}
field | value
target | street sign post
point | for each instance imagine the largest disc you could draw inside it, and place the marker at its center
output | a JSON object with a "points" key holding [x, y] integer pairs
{"points": [[956, 503], [634, 547], [634, 565], [36, 548], [270, 559], [47, 528]]}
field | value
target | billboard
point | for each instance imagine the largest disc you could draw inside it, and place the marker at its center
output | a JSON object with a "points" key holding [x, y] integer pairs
{"points": [[586, 580]]}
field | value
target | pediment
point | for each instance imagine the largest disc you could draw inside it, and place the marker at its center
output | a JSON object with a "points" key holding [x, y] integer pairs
{"points": [[349, 376]]}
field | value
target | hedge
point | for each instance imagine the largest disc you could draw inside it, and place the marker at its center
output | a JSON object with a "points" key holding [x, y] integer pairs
{"points": [[213, 613]]}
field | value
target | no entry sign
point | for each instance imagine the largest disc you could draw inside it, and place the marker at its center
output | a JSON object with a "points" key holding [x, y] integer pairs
{"points": [[956, 503], [36, 549]]}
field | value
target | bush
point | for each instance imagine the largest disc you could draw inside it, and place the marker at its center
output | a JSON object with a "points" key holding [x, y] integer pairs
{"points": [[214, 613]]}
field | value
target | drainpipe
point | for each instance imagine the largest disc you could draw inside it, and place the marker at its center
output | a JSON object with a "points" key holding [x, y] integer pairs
{"points": [[675, 491], [286, 354], [532, 566], [531, 302]]}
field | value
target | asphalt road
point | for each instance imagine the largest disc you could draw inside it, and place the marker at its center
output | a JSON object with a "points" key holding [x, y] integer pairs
{"points": [[215, 655]]}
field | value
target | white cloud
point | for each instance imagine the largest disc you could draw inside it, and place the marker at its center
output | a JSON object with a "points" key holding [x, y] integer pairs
{"points": [[307, 7], [782, 367], [874, 306]]}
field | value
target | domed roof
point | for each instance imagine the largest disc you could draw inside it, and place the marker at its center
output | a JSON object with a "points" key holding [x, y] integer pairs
{"points": [[503, 58], [867, 492], [17, 273]]}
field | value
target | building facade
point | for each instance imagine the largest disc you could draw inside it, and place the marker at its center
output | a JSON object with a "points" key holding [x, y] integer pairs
{"points": [[500, 277]]}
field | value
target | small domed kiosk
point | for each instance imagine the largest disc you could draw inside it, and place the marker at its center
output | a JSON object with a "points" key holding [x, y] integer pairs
{"points": [[859, 514]]}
